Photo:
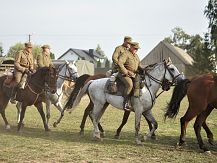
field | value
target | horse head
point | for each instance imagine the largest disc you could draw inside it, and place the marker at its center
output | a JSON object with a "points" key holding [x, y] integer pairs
{"points": [[72, 72], [171, 75], [164, 73], [51, 78]]}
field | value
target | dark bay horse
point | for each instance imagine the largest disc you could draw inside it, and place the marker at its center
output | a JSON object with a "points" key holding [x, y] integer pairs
{"points": [[80, 82], [202, 97], [43, 78]]}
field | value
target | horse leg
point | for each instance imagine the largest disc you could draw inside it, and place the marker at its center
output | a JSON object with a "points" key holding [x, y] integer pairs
{"points": [[208, 133], [22, 114], [7, 126], [40, 110], [124, 121], [138, 115], [153, 136], [86, 113], [95, 119], [48, 104], [206, 128], [19, 108], [150, 118], [192, 111], [201, 118], [3, 105], [102, 132]]}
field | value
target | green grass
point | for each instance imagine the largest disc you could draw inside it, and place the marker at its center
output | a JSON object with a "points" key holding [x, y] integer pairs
{"points": [[63, 143]]}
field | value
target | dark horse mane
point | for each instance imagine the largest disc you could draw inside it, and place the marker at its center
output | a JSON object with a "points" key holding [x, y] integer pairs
{"points": [[80, 82]]}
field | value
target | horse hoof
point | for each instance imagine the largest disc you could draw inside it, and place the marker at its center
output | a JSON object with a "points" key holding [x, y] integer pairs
{"points": [[117, 136], [55, 124], [96, 138], [208, 153], [81, 133], [47, 130], [154, 137], [102, 134], [139, 143], [7, 127], [146, 137], [211, 141]]}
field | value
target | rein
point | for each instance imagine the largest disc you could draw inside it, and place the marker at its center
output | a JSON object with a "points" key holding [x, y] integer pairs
{"points": [[37, 94]]}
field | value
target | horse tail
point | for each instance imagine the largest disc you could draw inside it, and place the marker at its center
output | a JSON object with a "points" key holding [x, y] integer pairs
{"points": [[78, 85], [179, 93], [81, 93]]}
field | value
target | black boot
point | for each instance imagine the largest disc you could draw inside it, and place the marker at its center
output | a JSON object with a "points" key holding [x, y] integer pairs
{"points": [[13, 95], [126, 103]]}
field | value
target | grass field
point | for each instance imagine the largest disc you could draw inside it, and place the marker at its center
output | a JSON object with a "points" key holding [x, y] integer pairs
{"points": [[63, 144]]}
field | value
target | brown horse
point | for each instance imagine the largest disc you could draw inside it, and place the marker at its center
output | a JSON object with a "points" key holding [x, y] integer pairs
{"points": [[44, 78], [202, 97], [80, 82]]}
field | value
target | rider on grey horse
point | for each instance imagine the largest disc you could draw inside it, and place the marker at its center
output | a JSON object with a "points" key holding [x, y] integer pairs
{"points": [[128, 66]]}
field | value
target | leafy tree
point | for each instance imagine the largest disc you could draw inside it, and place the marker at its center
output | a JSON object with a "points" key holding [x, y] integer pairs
{"points": [[99, 50], [107, 63], [197, 47], [36, 50], [14, 49], [1, 49], [98, 64], [211, 14], [52, 55]]}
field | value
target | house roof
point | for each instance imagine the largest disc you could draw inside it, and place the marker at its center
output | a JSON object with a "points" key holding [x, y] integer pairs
{"points": [[84, 53]]}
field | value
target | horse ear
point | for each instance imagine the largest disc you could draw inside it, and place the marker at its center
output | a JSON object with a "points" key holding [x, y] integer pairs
{"points": [[67, 62], [73, 62]]}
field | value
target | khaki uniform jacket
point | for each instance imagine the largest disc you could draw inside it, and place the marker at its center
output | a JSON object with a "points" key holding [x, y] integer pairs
{"points": [[128, 62], [120, 50], [43, 60], [23, 60]]}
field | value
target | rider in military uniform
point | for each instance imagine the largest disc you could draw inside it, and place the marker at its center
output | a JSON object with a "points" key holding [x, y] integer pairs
{"points": [[23, 65], [120, 50], [44, 59], [128, 64]]}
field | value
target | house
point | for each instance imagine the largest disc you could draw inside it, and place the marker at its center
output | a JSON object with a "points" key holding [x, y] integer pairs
{"points": [[91, 55], [164, 50]]}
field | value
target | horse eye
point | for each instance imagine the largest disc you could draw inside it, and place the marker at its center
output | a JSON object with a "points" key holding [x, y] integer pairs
{"points": [[172, 69]]}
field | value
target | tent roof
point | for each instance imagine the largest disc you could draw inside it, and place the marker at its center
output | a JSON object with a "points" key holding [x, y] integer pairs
{"points": [[178, 52]]}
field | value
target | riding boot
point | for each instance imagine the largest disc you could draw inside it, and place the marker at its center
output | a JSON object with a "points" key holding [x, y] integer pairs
{"points": [[126, 103], [23, 81], [13, 95]]}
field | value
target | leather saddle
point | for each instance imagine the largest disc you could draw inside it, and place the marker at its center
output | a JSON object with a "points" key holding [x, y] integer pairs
{"points": [[10, 80], [117, 87], [114, 87]]}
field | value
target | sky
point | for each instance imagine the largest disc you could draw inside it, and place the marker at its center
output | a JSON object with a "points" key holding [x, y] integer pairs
{"points": [[82, 24]]}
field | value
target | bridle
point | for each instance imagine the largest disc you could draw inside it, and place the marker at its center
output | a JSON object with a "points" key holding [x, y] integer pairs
{"points": [[41, 87], [165, 83], [65, 77]]}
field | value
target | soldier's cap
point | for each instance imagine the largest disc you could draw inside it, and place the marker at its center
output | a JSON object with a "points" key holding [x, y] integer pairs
{"points": [[128, 39], [28, 45], [135, 45], [45, 46]]}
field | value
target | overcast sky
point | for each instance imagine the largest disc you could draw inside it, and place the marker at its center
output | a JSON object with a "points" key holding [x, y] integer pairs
{"points": [[83, 24]]}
